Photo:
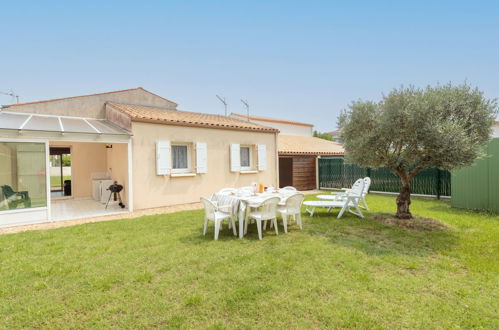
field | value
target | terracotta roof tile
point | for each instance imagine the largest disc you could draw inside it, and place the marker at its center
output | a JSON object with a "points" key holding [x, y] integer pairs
{"points": [[308, 145], [186, 118], [271, 120]]}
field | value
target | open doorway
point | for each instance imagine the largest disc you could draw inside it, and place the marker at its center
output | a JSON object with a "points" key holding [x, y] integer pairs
{"points": [[60, 172], [285, 171]]}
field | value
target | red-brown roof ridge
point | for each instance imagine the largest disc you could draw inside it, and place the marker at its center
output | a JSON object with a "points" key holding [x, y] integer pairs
{"points": [[143, 113]]}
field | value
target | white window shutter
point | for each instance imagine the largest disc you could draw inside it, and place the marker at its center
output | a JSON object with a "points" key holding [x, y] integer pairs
{"points": [[262, 157], [235, 158], [201, 157], [163, 157]]}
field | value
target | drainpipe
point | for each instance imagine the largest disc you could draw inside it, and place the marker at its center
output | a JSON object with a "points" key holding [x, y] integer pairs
{"points": [[317, 172], [276, 159]]}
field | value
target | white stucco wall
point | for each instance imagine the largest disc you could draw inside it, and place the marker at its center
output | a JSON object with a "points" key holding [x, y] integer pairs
{"points": [[284, 128]]}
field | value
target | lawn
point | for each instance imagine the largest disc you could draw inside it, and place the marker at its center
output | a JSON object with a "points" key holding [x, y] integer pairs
{"points": [[159, 271], [55, 181]]}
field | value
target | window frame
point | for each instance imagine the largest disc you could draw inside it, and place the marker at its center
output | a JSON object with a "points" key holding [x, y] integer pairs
{"points": [[188, 169], [250, 151]]}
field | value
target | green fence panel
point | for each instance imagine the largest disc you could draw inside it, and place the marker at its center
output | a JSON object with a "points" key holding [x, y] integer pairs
{"points": [[336, 173], [477, 186], [331, 173]]}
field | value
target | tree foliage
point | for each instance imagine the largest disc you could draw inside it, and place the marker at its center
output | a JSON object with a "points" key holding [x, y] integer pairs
{"points": [[66, 160], [325, 136], [411, 129]]}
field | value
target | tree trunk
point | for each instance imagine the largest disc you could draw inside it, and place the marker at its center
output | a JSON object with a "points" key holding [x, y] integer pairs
{"points": [[403, 202]]}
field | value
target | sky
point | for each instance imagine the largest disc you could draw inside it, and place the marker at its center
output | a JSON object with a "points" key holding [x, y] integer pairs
{"points": [[296, 60]]}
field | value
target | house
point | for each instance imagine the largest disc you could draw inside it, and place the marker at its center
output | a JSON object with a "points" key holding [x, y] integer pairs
{"points": [[160, 155], [336, 134], [298, 151]]}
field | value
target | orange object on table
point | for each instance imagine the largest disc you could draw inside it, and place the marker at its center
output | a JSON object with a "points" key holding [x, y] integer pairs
{"points": [[260, 188]]}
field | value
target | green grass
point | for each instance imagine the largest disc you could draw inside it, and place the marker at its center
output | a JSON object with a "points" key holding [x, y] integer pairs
{"points": [[160, 271], [55, 181]]}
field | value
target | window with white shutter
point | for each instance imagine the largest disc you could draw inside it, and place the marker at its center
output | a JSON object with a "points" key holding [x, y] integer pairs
{"points": [[201, 157], [245, 157], [235, 158], [163, 157], [181, 158], [262, 157]]}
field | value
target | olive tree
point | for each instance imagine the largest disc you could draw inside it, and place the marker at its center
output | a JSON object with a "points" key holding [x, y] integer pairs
{"points": [[412, 129]]}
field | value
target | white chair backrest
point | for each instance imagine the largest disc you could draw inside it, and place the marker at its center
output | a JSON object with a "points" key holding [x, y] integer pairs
{"points": [[227, 191], [357, 188], [268, 207], [367, 184], [293, 203], [209, 207], [287, 190], [356, 183]]}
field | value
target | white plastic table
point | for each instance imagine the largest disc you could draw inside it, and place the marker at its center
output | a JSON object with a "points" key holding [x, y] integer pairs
{"points": [[247, 202]]}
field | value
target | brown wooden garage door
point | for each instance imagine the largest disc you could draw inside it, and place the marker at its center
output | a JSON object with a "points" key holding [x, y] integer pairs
{"points": [[297, 171], [304, 172]]}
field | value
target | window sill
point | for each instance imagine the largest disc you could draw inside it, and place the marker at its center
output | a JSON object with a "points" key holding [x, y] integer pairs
{"points": [[175, 175], [248, 171]]}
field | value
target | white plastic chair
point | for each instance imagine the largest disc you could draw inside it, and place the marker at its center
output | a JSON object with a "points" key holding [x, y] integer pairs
{"points": [[292, 208], [211, 213], [342, 196], [266, 210], [287, 190]]}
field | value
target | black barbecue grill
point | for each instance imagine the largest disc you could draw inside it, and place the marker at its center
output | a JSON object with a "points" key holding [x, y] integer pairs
{"points": [[115, 190]]}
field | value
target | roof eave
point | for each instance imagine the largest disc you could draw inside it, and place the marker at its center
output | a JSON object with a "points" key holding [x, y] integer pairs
{"points": [[311, 153], [188, 124], [272, 120]]}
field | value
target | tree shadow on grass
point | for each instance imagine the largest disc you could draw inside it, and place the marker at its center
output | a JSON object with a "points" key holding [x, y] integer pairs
{"points": [[375, 238]]}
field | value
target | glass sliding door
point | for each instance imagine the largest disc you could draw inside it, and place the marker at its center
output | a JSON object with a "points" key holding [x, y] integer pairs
{"points": [[22, 175], [60, 171]]}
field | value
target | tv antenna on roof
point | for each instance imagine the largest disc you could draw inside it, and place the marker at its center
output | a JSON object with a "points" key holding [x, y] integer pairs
{"points": [[246, 104], [224, 102], [12, 94]]}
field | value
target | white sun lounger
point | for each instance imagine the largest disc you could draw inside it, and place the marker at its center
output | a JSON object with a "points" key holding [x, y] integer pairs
{"points": [[340, 196], [329, 205], [350, 200]]}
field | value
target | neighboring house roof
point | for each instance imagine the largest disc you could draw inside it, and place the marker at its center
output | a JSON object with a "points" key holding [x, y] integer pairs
{"points": [[308, 145], [73, 97], [270, 120], [185, 118], [335, 132]]}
